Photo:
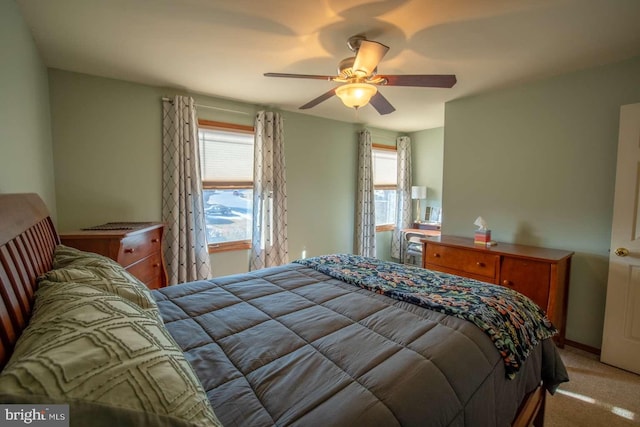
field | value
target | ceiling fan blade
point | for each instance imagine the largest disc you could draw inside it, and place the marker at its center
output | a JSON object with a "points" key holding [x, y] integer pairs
{"points": [[300, 76], [421, 80], [318, 100], [381, 104], [369, 55]]}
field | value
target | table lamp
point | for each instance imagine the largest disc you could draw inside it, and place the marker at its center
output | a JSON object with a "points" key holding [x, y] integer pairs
{"points": [[418, 192]]}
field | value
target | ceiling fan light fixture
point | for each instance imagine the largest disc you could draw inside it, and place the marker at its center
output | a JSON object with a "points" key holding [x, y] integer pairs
{"points": [[356, 95]]}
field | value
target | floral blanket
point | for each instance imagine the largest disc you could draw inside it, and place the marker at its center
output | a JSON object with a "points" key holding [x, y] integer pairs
{"points": [[514, 323]]}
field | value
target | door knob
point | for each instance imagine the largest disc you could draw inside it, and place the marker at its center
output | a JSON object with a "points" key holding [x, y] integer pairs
{"points": [[621, 252]]}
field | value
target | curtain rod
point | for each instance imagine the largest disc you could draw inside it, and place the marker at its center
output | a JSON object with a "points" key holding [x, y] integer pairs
{"points": [[164, 98]]}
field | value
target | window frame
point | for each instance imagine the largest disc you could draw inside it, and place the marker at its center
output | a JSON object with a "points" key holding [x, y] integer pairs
{"points": [[235, 245], [382, 147]]}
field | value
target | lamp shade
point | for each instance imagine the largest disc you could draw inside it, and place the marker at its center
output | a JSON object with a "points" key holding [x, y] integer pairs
{"points": [[418, 192], [356, 95]]}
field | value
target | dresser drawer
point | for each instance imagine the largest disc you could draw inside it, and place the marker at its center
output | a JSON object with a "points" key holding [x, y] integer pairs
{"points": [[148, 268], [138, 246], [528, 277], [469, 261]]}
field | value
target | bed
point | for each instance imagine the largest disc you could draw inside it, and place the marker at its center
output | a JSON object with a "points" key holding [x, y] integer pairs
{"points": [[289, 345]]}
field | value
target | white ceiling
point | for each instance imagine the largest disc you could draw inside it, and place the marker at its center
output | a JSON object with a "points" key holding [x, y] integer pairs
{"points": [[223, 47]]}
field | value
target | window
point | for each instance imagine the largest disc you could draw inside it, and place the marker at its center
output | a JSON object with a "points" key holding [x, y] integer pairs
{"points": [[385, 182], [226, 159]]}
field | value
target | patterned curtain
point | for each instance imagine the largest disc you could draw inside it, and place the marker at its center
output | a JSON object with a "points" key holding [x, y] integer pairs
{"points": [[185, 242], [366, 209], [403, 195], [269, 242]]}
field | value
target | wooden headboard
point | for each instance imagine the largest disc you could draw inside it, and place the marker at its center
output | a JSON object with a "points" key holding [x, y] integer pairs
{"points": [[27, 241]]}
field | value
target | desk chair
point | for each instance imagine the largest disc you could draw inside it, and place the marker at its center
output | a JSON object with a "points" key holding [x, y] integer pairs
{"points": [[413, 253]]}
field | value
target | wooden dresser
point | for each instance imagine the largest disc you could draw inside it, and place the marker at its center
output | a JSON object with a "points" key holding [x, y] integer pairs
{"points": [[135, 246], [539, 273]]}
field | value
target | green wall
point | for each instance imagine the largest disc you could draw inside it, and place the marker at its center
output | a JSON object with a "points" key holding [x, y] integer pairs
{"points": [[428, 156], [26, 159], [538, 163], [321, 157], [107, 139]]}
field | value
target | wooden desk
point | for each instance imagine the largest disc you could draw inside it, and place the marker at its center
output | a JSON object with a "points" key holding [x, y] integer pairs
{"points": [[427, 225], [426, 233]]}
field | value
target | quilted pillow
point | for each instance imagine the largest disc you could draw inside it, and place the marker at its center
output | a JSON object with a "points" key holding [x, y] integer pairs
{"points": [[65, 256], [73, 265], [105, 357]]}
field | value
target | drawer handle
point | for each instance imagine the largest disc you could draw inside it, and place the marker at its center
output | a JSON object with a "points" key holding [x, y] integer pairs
{"points": [[129, 250], [155, 240], [156, 265], [507, 283], [436, 255], [480, 264]]}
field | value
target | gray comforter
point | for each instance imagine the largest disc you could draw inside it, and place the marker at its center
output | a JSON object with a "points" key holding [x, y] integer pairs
{"points": [[291, 346]]}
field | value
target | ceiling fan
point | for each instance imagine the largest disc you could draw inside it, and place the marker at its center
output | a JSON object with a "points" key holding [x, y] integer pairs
{"points": [[359, 77]]}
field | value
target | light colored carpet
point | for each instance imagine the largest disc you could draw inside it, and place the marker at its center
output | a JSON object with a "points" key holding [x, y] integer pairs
{"points": [[596, 395]]}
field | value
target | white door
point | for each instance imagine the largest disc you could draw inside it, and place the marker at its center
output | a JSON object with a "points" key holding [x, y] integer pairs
{"points": [[621, 336]]}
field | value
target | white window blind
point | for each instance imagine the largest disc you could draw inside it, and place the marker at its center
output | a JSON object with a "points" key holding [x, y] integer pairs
{"points": [[385, 167], [226, 156], [385, 181]]}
